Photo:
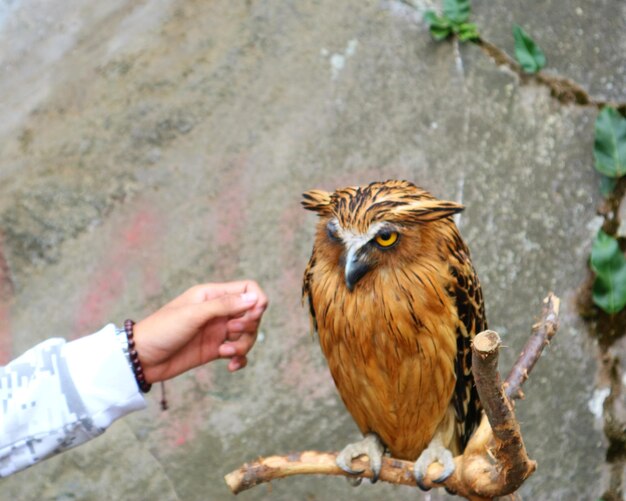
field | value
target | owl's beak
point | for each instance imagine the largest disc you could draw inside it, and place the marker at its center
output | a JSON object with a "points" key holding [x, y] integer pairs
{"points": [[356, 267]]}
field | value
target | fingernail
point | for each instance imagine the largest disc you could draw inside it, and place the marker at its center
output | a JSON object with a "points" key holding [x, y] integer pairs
{"points": [[235, 366], [227, 350], [249, 297]]}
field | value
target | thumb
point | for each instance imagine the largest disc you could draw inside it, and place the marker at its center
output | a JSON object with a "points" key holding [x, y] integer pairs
{"points": [[228, 305]]}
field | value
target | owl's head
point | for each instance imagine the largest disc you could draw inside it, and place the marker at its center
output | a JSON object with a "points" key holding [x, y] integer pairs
{"points": [[382, 224]]}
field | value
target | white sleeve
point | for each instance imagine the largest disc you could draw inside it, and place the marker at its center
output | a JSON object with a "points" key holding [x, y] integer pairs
{"points": [[58, 395]]}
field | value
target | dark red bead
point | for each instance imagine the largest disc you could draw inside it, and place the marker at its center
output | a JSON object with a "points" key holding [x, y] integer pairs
{"points": [[134, 358]]}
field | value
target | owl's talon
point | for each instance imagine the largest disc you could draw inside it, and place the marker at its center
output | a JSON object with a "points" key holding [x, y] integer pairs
{"points": [[354, 481], [443, 477], [435, 452], [421, 485], [347, 469], [370, 446]]}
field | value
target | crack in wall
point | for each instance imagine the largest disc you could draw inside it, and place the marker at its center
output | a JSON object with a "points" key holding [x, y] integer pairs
{"points": [[607, 329], [562, 89]]}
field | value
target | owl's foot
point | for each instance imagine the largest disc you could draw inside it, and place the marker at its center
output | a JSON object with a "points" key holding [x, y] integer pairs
{"points": [[370, 446], [435, 452]]}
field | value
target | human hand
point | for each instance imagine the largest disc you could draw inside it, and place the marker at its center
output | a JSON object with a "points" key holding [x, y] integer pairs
{"points": [[204, 323]]}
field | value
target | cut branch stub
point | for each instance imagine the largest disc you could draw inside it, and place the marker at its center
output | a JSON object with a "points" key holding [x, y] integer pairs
{"points": [[486, 343], [506, 445]]}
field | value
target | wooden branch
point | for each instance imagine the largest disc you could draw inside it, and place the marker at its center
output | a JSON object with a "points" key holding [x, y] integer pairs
{"points": [[494, 462], [395, 471], [313, 463], [512, 465], [540, 336]]}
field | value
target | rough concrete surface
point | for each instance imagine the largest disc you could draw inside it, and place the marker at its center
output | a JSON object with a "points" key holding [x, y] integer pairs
{"points": [[147, 146]]}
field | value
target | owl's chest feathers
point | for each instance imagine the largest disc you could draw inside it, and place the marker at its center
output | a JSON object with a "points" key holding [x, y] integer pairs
{"points": [[385, 320], [380, 336], [391, 353]]}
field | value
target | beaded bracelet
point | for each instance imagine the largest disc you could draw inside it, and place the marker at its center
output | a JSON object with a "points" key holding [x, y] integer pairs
{"points": [[144, 386]]}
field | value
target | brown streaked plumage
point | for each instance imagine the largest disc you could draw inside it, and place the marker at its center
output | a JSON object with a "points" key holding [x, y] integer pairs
{"points": [[395, 300]]}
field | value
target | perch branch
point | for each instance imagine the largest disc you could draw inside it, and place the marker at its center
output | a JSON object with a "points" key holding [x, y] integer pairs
{"points": [[512, 465], [312, 462], [494, 462], [540, 336], [395, 471]]}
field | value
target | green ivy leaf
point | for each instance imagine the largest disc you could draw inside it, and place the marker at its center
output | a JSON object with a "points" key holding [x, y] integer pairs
{"points": [[609, 264], [607, 185], [528, 54], [467, 32], [610, 146], [431, 18], [440, 27], [457, 11], [440, 34]]}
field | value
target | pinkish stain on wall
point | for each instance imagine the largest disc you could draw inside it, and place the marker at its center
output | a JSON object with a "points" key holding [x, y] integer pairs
{"points": [[130, 253], [192, 393], [229, 215], [299, 368]]}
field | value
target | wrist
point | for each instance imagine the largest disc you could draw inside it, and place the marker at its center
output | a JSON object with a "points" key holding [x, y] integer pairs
{"points": [[125, 337], [144, 348]]}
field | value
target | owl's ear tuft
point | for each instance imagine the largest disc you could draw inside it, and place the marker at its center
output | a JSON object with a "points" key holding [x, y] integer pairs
{"points": [[317, 200], [426, 211]]}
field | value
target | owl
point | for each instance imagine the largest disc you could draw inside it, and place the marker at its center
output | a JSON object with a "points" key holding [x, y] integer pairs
{"points": [[395, 301]]}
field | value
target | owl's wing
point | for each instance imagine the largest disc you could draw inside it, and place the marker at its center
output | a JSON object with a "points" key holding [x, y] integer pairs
{"points": [[306, 292], [471, 313]]}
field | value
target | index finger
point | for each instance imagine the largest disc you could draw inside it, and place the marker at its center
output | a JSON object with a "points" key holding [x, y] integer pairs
{"points": [[238, 287], [206, 292], [227, 306]]}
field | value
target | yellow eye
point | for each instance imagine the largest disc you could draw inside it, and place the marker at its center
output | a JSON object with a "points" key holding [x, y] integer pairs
{"points": [[386, 238]]}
